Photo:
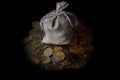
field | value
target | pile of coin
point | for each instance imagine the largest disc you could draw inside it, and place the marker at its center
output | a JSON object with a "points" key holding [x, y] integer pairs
{"points": [[51, 56], [47, 53]]}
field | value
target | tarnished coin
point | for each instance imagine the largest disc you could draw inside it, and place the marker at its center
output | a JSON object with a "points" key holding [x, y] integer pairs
{"points": [[35, 60], [53, 58], [41, 57], [89, 49], [77, 49], [48, 52], [30, 47], [51, 66], [59, 56], [38, 43], [57, 49], [32, 32], [27, 39], [47, 60], [73, 49], [65, 63], [45, 46], [36, 24], [81, 50]]}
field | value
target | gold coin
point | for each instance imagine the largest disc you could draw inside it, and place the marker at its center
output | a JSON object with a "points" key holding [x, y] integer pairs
{"points": [[59, 56], [57, 49], [47, 60], [48, 52]]}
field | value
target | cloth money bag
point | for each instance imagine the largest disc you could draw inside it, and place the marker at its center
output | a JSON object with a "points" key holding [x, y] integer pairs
{"points": [[58, 25]]}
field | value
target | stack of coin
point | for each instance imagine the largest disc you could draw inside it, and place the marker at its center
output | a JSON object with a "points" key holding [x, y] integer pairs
{"points": [[47, 53]]}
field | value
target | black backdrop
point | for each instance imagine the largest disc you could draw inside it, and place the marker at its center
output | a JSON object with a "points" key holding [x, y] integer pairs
{"points": [[26, 12]]}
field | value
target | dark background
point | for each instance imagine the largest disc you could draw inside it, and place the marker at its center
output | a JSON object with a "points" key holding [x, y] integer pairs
{"points": [[91, 13]]}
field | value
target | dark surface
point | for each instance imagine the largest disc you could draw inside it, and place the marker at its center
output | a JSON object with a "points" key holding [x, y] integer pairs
{"points": [[25, 13]]}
